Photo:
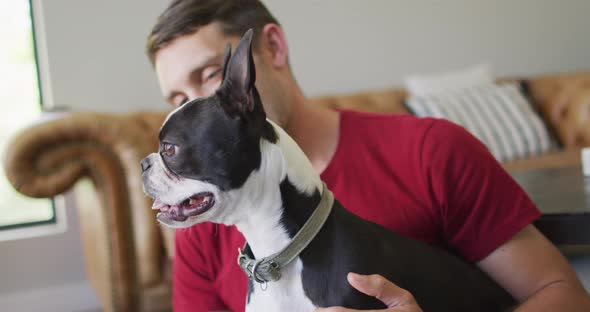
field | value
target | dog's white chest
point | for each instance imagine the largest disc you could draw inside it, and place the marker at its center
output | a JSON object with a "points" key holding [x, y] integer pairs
{"points": [[285, 294]]}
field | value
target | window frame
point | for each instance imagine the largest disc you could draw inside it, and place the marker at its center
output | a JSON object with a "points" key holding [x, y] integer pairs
{"points": [[57, 223], [41, 229]]}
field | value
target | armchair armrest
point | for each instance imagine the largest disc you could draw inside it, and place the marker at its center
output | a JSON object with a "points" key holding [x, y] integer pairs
{"points": [[565, 103], [50, 157], [571, 113]]}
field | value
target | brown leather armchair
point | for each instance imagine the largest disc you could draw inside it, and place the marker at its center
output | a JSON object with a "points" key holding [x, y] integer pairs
{"points": [[128, 255], [99, 155]]}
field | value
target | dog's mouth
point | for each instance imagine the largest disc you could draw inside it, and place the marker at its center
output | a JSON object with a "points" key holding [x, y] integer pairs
{"points": [[190, 207]]}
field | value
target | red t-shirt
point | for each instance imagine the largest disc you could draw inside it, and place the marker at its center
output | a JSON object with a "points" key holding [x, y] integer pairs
{"points": [[426, 179]]}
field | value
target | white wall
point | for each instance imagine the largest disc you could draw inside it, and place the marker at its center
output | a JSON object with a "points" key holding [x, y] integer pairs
{"points": [[96, 57], [46, 273], [95, 54], [352, 45]]}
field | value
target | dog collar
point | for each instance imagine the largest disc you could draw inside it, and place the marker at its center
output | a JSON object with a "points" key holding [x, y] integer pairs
{"points": [[269, 268]]}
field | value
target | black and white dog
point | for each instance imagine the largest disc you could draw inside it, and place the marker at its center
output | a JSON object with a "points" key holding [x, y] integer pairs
{"points": [[221, 160]]}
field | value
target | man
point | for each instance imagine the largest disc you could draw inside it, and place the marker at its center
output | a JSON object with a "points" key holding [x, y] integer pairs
{"points": [[423, 178]]}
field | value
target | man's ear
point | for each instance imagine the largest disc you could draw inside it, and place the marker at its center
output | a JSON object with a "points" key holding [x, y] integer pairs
{"points": [[239, 77]]}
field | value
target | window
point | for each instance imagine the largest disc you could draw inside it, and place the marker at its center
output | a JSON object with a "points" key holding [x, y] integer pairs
{"points": [[19, 105]]}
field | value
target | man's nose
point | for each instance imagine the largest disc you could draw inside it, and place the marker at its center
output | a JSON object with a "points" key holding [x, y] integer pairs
{"points": [[146, 163]]}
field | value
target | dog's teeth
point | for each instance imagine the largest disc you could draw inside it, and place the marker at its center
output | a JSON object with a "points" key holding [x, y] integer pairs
{"points": [[196, 201]]}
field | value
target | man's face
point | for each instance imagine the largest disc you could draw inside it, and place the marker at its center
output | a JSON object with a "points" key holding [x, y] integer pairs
{"points": [[191, 66]]}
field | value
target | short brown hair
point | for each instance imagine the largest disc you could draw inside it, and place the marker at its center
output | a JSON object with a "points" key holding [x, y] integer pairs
{"points": [[183, 17]]}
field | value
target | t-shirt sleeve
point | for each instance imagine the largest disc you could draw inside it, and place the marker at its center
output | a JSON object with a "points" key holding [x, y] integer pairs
{"points": [[192, 283], [480, 205]]}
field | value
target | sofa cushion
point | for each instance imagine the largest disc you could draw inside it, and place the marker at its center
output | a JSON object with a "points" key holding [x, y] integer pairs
{"points": [[499, 115], [423, 85], [384, 101]]}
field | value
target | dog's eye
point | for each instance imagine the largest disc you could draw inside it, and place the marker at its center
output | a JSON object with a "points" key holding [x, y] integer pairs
{"points": [[169, 149]]}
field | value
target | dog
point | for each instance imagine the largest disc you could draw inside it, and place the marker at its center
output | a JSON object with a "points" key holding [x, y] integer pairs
{"points": [[221, 160]]}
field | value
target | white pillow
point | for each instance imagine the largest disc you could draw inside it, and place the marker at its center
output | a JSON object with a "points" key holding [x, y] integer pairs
{"points": [[498, 115], [423, 85]]}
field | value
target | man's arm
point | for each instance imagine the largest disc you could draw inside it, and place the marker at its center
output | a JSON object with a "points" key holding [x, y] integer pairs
{"points": [[536, 274], [528, 266], [487, 218]]}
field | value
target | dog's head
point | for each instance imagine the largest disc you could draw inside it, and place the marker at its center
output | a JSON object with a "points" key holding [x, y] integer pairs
{"points": [[209, 146]]}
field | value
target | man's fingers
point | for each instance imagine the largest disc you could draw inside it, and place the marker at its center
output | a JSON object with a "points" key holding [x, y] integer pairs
{"points": [[332, 309], [394, 297], [377, 286], [341, 309]]}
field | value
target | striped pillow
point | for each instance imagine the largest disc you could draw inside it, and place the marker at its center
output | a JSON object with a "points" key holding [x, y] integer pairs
{"points": [[498, 115]]}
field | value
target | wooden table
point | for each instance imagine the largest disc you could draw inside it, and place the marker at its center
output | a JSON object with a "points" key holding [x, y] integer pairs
{"points": [[563, 196]]}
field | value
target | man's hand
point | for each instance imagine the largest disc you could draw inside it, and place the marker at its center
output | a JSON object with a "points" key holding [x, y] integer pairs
{"points": [[396, 299]]}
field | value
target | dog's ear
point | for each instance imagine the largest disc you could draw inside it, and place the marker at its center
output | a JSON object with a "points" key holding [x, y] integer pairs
{"points": [[226, 56], [239, 76]]}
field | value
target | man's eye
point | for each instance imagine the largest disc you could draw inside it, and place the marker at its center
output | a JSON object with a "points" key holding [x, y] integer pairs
{"points": [[169, 149], [210, 73], [181, 101], [213, 74]]}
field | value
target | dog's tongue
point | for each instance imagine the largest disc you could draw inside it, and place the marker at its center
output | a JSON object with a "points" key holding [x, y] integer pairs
{"points": [[180, 212], [158, 205], [177, 213], [163, 207]]}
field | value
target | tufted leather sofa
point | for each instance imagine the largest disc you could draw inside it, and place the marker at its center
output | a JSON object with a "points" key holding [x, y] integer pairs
{"points": [[127, 254]]}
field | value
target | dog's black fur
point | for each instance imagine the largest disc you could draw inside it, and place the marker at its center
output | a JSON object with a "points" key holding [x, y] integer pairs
{"points": [[438, 280], [219, 142]]}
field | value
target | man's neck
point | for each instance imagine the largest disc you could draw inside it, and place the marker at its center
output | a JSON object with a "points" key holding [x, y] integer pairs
{"points": [[316, 130]]}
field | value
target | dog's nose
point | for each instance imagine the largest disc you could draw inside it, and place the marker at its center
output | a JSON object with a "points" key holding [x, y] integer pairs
{"points": [[146, 163]]}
